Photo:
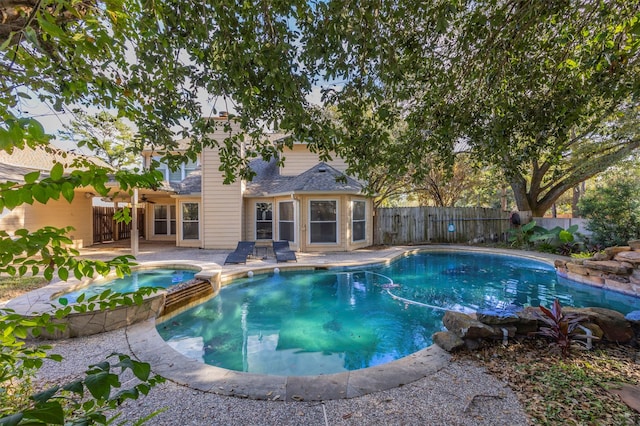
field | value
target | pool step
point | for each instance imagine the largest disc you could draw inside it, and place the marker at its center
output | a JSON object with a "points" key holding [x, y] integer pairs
{"points": [[185, 295]]}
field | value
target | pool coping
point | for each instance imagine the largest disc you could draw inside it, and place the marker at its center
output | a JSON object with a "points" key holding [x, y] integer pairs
{"points": [[147, 345]]}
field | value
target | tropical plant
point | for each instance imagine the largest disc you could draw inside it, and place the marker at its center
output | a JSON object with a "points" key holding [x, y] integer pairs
{"points": [[561, 327], [561, 241], [526, 235]]}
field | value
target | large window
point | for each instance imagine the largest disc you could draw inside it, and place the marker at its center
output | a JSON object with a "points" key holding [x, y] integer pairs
{"points": [[178, 175], [285, 221], [190, 221], [264, 221], [358, 221], [323, 222], [164, 219]]}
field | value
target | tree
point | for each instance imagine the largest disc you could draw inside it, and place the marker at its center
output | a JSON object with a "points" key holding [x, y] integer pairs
{"points": [[613, 207], [533, 88], [109, 137]]}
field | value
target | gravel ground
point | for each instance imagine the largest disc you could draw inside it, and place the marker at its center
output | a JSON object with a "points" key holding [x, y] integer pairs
{"points": [[462, 393]]}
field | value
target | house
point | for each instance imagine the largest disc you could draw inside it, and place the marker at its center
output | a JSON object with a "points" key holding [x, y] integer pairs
{"points": [[57, 213], [311, 204]]}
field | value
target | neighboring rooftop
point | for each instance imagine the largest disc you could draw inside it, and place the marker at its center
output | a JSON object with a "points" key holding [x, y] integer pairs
{"points": [[22, 161]]}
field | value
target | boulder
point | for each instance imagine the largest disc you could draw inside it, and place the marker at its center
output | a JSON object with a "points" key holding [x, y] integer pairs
{"points": [[528, 320], [574, 268], [631, 257], [601, 256], [610, 266], [448, 341], [613, 251], [496, 317], [615, 327], [466, 327], [634, 244], [560, 263]]}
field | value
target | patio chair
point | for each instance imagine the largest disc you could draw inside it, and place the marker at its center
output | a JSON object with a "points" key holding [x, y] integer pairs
{"points": [[283, 252], [239, 255]]}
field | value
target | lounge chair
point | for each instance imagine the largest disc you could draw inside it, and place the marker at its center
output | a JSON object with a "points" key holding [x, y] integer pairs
{"points": [[283, 252], [244, 249]]}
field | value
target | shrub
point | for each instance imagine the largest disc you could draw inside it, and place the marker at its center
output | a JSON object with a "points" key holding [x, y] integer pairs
{"points": [[84, 401], [613, 210]]}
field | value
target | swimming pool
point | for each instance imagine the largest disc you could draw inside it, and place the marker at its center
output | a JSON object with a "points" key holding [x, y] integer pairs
{"points": [[308, 323], [157, 277]]}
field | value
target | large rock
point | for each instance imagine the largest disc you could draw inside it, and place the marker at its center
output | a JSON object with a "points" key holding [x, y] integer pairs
{"points": [[610, 266], [575, 268], [615, 327], [466, 327], [634, 244], [528, 320], [632, 257], [448, 341], [497, 317], [613, 251]]}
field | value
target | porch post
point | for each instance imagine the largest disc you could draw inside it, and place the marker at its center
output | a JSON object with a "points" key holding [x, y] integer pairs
{"points": [[134, 225]]}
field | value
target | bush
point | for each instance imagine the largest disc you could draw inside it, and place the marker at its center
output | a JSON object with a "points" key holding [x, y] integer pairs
{"points": [[86, 401], [613, 210]]}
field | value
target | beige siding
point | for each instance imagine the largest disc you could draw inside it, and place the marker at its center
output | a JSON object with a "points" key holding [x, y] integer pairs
{"points": [[56, 213], [299, 160], [222, 207]]}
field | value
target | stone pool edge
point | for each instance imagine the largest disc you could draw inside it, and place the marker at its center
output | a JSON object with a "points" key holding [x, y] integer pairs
{"points": [[147, 345]]}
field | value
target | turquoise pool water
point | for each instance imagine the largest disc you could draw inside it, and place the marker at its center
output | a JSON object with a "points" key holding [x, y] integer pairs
{"points": [[162, 278], [322, 322]]}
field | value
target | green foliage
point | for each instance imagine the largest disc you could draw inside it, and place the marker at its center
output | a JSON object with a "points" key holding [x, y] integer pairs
{"points": [[84, 401], [530, 236], [108, 136], [526, 235], [44, 251], [560, 327], [613, 210], [561, 241], [106, 300]]}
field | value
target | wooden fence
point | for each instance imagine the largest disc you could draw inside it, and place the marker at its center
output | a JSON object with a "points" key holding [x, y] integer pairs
{"points": [[104, 225], [420, 225]]}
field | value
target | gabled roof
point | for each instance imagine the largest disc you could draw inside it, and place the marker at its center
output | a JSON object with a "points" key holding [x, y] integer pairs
{"points": [[268, 182], [322, 178]]}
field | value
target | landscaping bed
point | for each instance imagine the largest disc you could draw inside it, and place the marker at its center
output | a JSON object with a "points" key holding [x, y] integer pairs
{"points": [[576, 390]]}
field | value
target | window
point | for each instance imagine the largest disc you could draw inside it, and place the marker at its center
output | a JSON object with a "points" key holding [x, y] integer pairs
{"points": [[323, 222], [264, 221], [358, 221], [180, 173], [190, 221], [285, 221], [164, 219]]}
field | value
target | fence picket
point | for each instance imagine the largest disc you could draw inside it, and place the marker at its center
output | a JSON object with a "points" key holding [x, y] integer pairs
{"points": [[419, 225]]}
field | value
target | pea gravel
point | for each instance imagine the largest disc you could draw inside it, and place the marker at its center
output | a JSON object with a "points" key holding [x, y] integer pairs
{"points": [[462, 393]]}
